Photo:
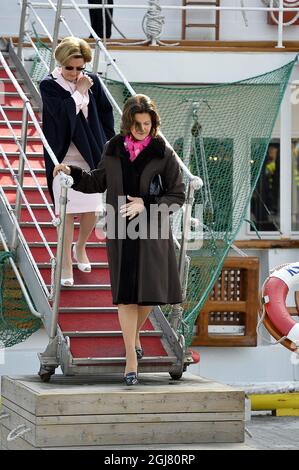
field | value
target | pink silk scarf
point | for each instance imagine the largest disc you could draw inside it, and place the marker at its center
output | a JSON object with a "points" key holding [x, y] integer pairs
{"points": [[134, 147]]}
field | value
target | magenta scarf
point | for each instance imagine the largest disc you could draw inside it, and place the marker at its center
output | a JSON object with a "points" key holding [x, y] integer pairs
{"points": [[134, 147]]}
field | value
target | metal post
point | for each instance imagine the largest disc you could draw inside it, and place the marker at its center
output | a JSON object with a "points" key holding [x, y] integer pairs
{"points": [[22, 29], [186, 228], [280, 26], [59, 253], [104, 22], [96, 57], [177, 310], [56, 32], [23, 142]]}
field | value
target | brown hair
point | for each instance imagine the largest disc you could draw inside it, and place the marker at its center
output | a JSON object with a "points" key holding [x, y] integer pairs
{"points": [[71, 47], [139, 104]]}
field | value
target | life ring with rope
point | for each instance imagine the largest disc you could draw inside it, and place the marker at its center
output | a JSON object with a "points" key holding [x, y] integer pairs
{"points": [[276, 317], [289, 17]]}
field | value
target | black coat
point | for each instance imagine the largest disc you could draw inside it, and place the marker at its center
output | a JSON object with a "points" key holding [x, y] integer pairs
{"points": [[157, 272], [61, 124]]}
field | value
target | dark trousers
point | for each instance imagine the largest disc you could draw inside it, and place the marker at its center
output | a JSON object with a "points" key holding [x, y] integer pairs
{"points": [[96, 18]]}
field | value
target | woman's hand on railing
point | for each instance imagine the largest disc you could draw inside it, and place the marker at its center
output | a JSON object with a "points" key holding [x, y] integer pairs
{"points": [[61, 167]]}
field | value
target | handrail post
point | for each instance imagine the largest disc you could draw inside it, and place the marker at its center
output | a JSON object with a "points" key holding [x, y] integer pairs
{"points": [[280, 25], [59, 254], [23, 143], [56, 32], [186, 228], [104, 2], [96, 57], [22, 29], [177, 311]]}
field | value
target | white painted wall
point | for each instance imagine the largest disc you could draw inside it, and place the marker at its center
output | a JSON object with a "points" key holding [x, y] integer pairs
{"points": [[232, 24], [195, 67], [247, 365]]}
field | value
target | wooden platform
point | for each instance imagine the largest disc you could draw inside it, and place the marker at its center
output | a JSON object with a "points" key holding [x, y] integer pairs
{"points": [[72, 412]]}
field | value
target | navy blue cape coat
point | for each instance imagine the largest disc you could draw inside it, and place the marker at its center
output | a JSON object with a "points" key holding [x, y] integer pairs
{"points": [[61, 124]]}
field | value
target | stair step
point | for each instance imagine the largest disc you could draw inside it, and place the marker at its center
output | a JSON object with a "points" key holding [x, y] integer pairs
{"points": [[83, 310], [11, 146], [18, 108], [97, 276], [44, 225], [100, 298], [37, 171], [103, 321], [18, 122], [31, 234], [35, 163], [3, 73], [109, 347], [13, 94], [8, 80], [94, 265], [8, 138], [85, 287], [41, 215], [14, 99], [11, 67], [28, 154], [100, 334], [26, 187], [40, 254], [54, 244], [17, 129], [16, 113], [33, 196], [84, 361], [7, 180]]}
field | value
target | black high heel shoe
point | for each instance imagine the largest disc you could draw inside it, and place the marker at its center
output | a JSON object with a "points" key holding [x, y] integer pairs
{"points": [[131, 378], [139, 352]]}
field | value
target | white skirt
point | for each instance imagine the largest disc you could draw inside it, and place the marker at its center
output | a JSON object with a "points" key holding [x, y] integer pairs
{"points": [[77, 202]]}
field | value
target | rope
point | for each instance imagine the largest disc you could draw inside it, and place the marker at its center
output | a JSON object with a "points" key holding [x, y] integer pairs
{"points": [[152, 25], [244, 14]]}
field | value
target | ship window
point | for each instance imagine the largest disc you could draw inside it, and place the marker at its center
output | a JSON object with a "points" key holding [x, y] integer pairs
{"points": [[265, 207]]}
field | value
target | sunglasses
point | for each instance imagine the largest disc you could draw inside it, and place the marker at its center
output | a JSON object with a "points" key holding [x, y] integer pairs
{"points": [[69, 67]]}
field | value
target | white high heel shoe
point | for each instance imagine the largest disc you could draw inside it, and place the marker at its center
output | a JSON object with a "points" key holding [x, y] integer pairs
{"points": [[67, 282], [84, 267]]}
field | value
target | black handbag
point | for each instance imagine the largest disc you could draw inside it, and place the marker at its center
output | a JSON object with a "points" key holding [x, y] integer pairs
{"points": [[156, 186]]}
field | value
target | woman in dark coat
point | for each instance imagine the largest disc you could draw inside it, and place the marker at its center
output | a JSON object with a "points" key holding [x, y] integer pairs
{"points": [[144, 185], [77, 122]]}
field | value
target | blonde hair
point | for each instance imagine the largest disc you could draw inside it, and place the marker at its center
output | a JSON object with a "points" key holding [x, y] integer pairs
{"points": [[71, 47]]}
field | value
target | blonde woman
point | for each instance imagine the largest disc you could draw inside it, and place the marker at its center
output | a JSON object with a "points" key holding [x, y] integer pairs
{"points": [[142, 178], [77, 122]]}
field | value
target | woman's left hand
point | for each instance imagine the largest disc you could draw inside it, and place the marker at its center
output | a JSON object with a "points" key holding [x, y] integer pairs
{"points": [[133, 208]]}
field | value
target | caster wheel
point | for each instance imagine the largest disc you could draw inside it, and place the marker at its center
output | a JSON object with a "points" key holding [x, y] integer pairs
{"points": [[175, 376], [45, 374], [45, 377]]}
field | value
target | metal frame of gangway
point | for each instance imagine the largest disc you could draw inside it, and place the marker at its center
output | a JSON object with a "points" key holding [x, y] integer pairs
{"points": [[242, 8], [194, 182]]}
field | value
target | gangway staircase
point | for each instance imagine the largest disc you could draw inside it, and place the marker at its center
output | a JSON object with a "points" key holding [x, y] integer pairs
{"points": [[88, 340]]}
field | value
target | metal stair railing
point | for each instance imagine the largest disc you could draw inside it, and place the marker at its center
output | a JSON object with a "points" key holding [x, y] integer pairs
{"points": [[17, 234], [193, 182], [242, 8]]}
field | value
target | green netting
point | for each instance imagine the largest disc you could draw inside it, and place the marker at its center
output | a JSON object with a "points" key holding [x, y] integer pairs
{"points": [[222, 133], [38, 69], [16, 322]]}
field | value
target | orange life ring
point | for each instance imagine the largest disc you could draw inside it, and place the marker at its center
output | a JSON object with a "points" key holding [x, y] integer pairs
{"points": [[274, 293], [289, 17]]}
